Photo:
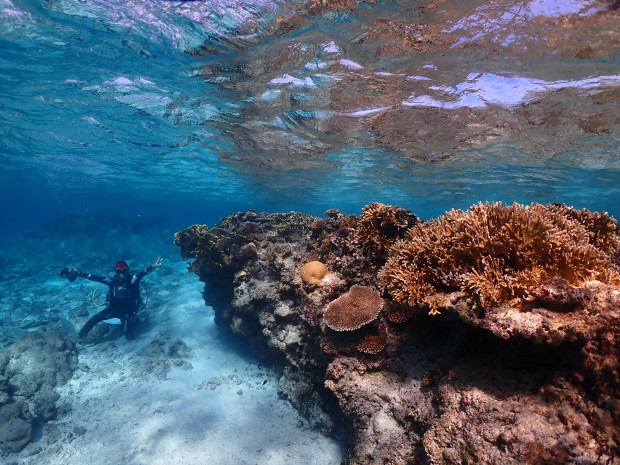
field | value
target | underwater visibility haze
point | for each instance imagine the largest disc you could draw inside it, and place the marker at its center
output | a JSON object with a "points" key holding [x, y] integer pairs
{"points": [[123, 122]]}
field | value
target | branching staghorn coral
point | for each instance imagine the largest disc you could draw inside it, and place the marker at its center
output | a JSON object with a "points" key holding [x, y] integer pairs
{"points": [[600, 226], [495, 252], [381, 225]]}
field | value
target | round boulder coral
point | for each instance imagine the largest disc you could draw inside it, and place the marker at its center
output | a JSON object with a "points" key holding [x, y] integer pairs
{"points": [[313, 273], [360, 306]]}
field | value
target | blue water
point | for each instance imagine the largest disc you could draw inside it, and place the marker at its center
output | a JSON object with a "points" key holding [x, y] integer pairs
{"points": [[192, 110], [124, 121]]}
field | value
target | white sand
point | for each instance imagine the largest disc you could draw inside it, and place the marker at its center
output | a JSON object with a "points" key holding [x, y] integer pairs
{"points": [[224, 409]]}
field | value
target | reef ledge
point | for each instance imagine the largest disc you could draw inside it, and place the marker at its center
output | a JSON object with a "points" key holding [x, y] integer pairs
{"points": [[431, 342]]}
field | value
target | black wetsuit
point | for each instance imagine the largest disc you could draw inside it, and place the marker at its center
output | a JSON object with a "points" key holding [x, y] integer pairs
{"points": [[124, 308]]}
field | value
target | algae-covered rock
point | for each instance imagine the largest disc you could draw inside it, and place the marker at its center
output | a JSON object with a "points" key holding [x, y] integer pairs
{"points": [[38, 360], [30, 370], [15, 426]]}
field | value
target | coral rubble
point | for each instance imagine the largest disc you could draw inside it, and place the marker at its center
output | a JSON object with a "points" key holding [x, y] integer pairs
{"points": [[521, 366]]}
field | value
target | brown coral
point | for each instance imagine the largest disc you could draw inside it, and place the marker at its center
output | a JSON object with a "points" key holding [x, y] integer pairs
{"points": [[193, 240], [398, 313], [373, 343], [558, 371], [601, 227], [496, 252], [216, 246], [381, 225], [360, 306], [313, 273]]}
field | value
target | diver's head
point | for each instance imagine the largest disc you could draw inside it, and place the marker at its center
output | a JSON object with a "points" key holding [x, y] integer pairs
{"points": [[121, 267]]}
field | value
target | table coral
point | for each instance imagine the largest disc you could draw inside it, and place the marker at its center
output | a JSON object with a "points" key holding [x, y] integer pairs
{"points": [[495, 252], [360, 306]]}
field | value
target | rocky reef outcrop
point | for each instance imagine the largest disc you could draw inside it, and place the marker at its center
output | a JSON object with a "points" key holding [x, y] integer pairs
{"points": [[30, 370], [497, 344]]}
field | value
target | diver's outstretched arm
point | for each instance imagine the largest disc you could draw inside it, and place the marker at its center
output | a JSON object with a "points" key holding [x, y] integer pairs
{"points": [[149, 268], [73, 273]]}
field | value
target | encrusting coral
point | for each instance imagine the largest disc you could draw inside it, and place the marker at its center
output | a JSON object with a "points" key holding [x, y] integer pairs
{"points": [[313, 273], [496, 252], [224, 247], [398, 313], [360, 306]]}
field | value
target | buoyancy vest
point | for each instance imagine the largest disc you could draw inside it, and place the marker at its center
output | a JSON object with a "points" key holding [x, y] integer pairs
{"points": [[121, 293]]}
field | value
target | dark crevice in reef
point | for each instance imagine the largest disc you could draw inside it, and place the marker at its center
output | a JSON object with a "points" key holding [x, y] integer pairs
{"points": [[218, 294], [432, 342], [467, 345]]}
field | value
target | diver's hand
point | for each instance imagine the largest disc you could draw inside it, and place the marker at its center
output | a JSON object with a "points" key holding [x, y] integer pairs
{"points": [[71, 273], [157, 263]]}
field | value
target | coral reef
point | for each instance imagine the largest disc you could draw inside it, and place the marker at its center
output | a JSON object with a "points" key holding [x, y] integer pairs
{"points": [[259, 298], [497, 252], [313, 273], [521, 367], [381, 225], [373, 343], [360, 306], [213, 244], [15, 426]]}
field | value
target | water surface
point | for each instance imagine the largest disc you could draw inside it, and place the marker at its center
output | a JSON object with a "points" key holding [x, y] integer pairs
{"points": [[192, 110]]}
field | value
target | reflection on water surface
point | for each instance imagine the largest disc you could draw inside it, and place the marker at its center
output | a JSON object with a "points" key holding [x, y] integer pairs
{"points": [[266, 100]]}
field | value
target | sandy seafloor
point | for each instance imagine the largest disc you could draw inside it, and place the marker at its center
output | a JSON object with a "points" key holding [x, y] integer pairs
{"points": [[184, 391]]}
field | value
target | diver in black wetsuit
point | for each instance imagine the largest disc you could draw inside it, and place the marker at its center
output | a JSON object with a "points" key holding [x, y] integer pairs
{"points": [[123, 296]]}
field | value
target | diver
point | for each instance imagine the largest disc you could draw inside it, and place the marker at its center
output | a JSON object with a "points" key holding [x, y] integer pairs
{"points": [[123, 298]]}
